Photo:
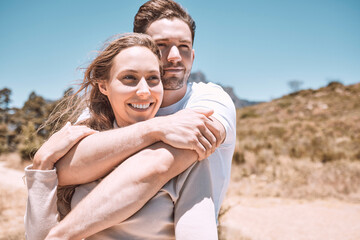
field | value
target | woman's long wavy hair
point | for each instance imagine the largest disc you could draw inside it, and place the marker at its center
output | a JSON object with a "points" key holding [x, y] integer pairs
{"points": [[100, 114]]}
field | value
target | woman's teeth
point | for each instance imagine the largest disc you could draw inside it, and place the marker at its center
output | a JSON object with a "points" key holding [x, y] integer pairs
{"points": [[140, 106]]}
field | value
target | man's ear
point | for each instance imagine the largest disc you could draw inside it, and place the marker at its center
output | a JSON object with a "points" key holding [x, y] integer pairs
{"points": [[193, 55], [102, 87]]}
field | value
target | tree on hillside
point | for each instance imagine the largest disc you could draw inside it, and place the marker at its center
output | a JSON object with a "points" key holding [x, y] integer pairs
{"points": [[4, 104], [20, 128], [28, 120], [30, 141], [295, 85], [5, 100]]}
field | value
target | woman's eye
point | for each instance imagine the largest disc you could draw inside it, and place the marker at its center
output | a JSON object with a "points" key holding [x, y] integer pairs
{"points": [[153, 80], [161, 45], [154, 77], [129, 77], [129, 80]]}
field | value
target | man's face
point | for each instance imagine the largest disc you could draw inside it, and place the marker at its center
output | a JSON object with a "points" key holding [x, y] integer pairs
{"points": [[173, 37]]}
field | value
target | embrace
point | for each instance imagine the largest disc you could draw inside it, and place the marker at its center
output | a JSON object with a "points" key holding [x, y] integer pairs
{"points": [[145, 154]]}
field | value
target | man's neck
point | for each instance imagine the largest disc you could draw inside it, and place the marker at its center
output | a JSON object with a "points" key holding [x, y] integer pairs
{"points": [[173, 96]]}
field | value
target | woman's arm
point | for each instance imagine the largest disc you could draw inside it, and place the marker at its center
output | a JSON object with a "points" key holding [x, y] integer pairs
{"points": [[41, 210], [41, 181]]}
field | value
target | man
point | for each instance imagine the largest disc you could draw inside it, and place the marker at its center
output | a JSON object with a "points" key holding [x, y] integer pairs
{"points": [[173, 30]]}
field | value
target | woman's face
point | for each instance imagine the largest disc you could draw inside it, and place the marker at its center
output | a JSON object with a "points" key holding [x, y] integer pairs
{"points": [[134, 89]]}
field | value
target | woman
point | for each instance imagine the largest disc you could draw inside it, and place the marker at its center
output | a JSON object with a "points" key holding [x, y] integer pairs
{"points": [[125, 87]]}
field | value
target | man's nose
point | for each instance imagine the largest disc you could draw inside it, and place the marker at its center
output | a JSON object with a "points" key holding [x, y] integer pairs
{"points": [[143, 88], [174, 55]]}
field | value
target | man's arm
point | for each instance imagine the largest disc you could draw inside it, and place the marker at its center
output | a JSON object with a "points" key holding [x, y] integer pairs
{"points": [[139, 178], [100, 153]]}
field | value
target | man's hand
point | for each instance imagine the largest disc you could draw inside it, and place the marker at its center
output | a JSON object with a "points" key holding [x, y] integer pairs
{"points": [[192, 130]]}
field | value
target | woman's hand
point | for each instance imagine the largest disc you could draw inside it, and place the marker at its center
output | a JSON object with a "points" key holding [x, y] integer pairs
{"points": [[190, 129], [58, 145]]}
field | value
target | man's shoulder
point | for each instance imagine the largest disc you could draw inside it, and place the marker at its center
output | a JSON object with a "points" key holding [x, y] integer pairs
{"points": [[209, 91], [205, 87]]}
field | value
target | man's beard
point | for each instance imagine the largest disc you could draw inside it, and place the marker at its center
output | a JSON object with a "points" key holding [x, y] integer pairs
{"points": [[175, 83]]}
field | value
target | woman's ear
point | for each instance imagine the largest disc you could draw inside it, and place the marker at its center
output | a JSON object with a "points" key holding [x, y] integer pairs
{"points": [[102, 87]]}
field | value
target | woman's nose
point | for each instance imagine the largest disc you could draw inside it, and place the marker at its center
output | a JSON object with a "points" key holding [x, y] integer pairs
{"points": [[143, 88]]}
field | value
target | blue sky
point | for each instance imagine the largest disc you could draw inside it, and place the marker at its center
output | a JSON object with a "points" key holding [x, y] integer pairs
{"points": [[254, 46]]}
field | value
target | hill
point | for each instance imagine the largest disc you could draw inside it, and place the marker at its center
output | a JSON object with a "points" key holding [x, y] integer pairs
{"points": [[239, 103], [305, 144]]}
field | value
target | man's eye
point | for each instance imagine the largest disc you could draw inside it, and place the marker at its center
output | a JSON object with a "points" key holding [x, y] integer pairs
{"points": [[184, 46]]}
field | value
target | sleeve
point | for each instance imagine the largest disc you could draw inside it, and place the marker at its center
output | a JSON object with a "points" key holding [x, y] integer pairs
{"points": [[194, 212], [41, 209], [212, 96]]}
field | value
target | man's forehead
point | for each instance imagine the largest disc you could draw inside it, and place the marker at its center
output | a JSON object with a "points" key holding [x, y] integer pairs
{"points": [[170, 29]]}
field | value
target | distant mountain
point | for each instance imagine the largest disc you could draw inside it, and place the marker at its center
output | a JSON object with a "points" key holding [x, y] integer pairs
{"points": [[239, 103]]}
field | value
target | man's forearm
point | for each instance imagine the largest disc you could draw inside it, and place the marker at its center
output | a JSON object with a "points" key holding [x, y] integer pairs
{"points": [[139, 178], [98, 154]]}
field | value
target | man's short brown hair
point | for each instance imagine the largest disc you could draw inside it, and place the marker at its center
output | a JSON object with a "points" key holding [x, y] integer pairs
{"points": [[154, 10]]}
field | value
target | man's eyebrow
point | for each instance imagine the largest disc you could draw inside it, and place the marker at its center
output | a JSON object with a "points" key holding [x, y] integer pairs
{"points": [[185, 41], [161, 39], [167, 39]]}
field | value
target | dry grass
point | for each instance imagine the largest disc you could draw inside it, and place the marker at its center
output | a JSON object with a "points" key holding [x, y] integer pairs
{"points": [[301, 146], [304, 145], [303, 179], [12, 209]]}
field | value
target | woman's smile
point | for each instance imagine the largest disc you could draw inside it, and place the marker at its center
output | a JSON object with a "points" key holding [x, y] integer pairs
{"points": [[140, 106], [134, 89]]}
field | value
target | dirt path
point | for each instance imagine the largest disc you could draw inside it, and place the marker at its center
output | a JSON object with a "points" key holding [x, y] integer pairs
{"points": [[12, 203], [283, 219], [247, 219], [10, 177]]}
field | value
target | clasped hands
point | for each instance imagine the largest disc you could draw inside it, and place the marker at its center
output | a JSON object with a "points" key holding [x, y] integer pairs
{"points": [[192, 129]]}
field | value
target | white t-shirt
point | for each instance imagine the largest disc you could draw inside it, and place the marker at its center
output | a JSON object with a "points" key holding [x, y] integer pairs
{"points": [[209, 96], [212, 96]]}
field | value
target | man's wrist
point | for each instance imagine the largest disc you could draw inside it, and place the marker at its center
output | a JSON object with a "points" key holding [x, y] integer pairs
{"points": [[152, 129]]}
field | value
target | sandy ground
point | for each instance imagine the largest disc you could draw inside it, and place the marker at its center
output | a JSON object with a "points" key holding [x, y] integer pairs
{"points": [[246, 219], [12, 203], [285, 219], [10, 177]]}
